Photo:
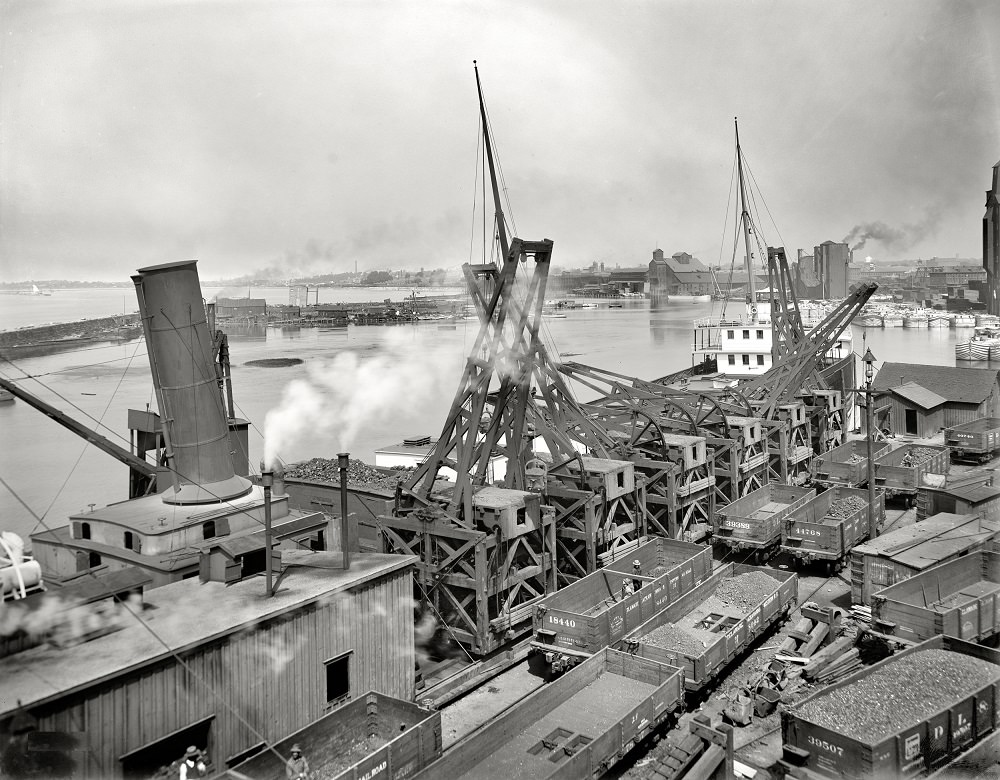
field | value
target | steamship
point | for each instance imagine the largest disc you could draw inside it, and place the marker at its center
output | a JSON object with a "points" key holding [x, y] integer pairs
{"points": [[205, 515], [143, 630]]}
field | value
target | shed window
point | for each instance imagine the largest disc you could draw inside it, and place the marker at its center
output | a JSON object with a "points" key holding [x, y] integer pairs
{"points": [[338, 679], [760, 334], [732, 360], [760, 360], [208, 529], [746, 360], [94, 560], [132, 542], [746, 334], [730, 334], [84, 530]]}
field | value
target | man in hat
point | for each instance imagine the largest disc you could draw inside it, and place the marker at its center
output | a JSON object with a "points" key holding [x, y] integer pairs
{"points": [[636, 572], [192, 765], [297, 767]]}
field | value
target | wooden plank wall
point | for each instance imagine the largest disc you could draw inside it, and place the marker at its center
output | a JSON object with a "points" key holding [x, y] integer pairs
{"points": [[273, 676]]}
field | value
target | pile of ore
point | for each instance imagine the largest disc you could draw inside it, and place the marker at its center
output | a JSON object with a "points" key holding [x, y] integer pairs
{"points": [[916, 456], [359, 473], [855, 459], [846, 507], [687, 641], [899, 695], [746, 591]]}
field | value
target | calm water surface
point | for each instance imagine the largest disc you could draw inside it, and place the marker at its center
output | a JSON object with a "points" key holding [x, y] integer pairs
{"points": [[387, 382]]}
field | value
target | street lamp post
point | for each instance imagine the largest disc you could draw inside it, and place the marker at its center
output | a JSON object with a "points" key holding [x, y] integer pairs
{"points": [[267, 480], [869, 361]]}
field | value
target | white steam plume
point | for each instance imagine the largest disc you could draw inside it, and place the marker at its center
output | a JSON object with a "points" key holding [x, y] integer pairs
{"points": [[343, 395]]}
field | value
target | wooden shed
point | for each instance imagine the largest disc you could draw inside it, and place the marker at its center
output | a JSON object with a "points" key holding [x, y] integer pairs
{"points": [[915, 410], [220, 667], [900, 554], [968, 393]]}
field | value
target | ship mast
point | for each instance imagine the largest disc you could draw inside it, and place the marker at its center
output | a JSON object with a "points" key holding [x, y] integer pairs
{"points": [[745, 219]]}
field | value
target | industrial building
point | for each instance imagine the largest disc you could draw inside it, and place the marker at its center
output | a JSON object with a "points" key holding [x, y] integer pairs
{"points": [[923, 399], [223, 668], [679, 274]]}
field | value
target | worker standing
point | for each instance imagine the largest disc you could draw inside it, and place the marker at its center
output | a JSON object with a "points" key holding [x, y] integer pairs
{"points": [[297, 767], [192, 765], [636, 574]]}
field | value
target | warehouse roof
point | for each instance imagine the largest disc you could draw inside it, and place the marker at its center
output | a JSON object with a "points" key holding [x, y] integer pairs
{"points": [[929, 542], [188, 614], [921, 396], [962, 385]]}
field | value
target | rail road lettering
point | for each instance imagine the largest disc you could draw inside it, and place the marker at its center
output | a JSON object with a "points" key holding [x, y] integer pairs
{"points": [[561, 621], [807, 531], [822, 744], [736, 524], [374, 771], [963, 732]]}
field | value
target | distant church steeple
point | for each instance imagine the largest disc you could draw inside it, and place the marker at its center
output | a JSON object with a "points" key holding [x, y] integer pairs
{"points": [[991, 243]]}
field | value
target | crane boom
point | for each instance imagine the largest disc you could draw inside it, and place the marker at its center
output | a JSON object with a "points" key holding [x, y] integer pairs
{"points": [[784, 379], [134, 462]]}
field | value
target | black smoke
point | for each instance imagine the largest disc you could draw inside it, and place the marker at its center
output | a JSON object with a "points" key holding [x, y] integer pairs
{"points": [[893, 239]]}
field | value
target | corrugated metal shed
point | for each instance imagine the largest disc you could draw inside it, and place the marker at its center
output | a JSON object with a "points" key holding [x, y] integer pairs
{"points": [[921, 396]]}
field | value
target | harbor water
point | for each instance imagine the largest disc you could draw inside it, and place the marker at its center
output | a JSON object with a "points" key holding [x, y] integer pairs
{"points": [[357, 388]]}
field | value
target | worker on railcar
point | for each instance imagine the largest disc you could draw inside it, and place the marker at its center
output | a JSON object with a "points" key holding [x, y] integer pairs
{"points": [[297, 768]]}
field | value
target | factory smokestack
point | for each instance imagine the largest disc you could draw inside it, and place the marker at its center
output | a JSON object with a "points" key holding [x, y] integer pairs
{"points": [[195, 428]]}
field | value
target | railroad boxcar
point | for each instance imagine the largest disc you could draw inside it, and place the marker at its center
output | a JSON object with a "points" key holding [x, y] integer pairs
{"points": [[826, 527], [754, 522], [598, 609], [373, 735], [905, 715], [577, 726], [975, 441], [704, 631], [900, 471], [846, 465]]}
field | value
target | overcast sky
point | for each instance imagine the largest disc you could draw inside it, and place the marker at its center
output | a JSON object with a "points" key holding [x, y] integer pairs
{"points": [[310, 136]]}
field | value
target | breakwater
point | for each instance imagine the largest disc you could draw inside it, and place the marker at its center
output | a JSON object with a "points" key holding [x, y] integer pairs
{"points": [[64, 336]]}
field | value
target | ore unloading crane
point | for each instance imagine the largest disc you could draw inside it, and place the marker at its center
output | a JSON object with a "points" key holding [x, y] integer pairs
{"points": [[798, 368], [142, 474], [488, 552]]}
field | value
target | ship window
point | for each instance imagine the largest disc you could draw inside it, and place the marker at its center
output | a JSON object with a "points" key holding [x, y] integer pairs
{"points": [[84, 530], [338, 679], [746, 360], [94, 560], [730, 334], [732, 360], [319, 542], [132, 542], [760, 334], [208, 529], [760, 360], [746, 334]]}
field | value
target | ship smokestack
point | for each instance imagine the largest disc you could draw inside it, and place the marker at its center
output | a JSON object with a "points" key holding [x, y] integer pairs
{"points": [[195, 428]]}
